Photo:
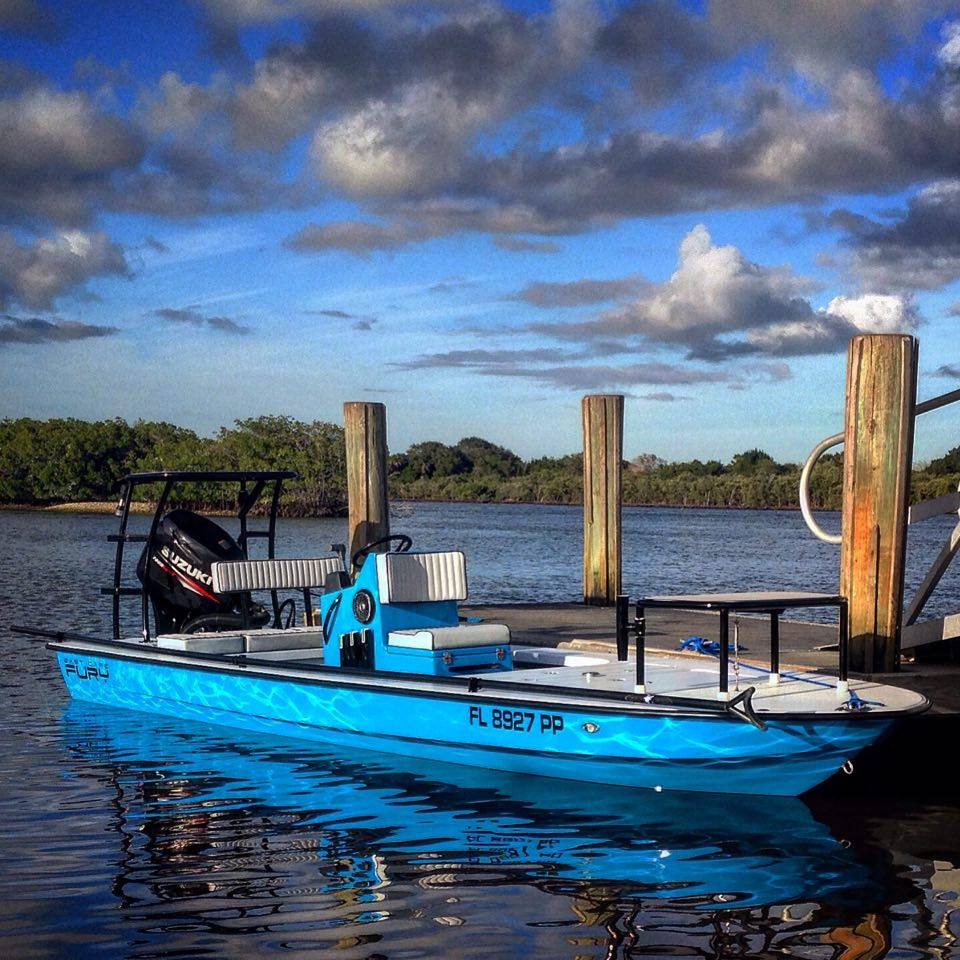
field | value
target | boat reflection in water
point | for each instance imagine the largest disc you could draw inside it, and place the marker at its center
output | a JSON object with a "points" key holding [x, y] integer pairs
{"points": [[290, 844]]}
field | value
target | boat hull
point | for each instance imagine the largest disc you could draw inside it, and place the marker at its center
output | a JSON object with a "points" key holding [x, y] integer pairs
{"points": [[599, 746]]}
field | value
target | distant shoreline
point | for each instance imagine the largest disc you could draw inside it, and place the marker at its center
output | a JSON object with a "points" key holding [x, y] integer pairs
{"points": [[107, 507]]}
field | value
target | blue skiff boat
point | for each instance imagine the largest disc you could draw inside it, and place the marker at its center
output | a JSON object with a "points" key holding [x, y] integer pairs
{"points": [[380, 820], [387, 664]]}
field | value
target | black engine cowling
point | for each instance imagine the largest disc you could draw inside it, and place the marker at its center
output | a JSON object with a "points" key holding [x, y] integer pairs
{"points": [[178, 581]]}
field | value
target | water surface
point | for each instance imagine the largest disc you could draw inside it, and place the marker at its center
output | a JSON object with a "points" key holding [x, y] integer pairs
{"points": [[124, 835]]}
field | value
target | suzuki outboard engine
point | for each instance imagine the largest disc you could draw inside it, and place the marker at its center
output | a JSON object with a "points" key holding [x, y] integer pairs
{"points": [[177, 577]]}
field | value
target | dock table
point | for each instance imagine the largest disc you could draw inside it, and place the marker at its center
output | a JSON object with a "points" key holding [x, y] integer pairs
{"points": [[772, 602]]}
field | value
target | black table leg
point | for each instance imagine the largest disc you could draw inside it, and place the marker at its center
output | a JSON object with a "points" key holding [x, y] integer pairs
{"points": [[640, 626], [623, 617], [774, 644], [724, 652]]}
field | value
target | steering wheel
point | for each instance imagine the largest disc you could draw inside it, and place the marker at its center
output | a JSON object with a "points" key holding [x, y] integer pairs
{"points": [[404, 543]]}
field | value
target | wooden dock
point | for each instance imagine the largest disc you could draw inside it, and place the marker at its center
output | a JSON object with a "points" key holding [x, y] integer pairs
{"points": [[881, 409], [906, 762]]}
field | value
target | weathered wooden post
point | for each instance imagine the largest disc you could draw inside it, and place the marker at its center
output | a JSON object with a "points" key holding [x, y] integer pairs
{"points": [[602, 477], [878, 451], [365, 429]]}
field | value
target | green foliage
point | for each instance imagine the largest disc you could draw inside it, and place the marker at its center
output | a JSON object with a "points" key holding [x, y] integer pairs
{"points": [[489, 458], [751, 462], [47, 461], [647, 463], [433, 459], [947, 464], [694, 468], [57, 461]]}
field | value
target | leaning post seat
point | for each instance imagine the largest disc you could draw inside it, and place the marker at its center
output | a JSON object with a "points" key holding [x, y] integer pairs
{"points": [[401, 615], [239, 576], [289, 573], [421, 577], [452, 638]]}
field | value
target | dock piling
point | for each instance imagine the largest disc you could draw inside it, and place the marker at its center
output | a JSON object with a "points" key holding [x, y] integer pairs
{"points": [[878, 450], [602, 480], [365, 431]]}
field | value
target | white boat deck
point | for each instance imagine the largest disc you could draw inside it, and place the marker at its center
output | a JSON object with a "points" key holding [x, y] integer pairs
{"points": [[688, 677], [698, 677]]}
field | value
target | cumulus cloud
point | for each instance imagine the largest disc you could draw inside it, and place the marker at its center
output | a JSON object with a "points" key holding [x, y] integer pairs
{"points": [[577, 370], [175, 106], [779, 149], [577, 293], [398, 112], [38, 273], [25, 16], [285, 92], [875, 313], [522, 125], [455, 79], [38, 330], [525, 245], [241, 12], [820, 36], [193, 317], [355, 236], [64, 159], [408, 145], [561, 368], [359, 321], [660, 45], [715, 291], [487, 359], [918, 249], [718, 304], [58, 153], [830, 329]]}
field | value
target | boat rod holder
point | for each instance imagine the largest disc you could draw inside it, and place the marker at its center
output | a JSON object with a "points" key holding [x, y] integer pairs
{"points": [[638, 626], [625, 627], [623, 617]]}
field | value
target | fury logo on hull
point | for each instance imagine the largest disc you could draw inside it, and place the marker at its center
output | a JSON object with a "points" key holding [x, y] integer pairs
{"points": [[87, 671]]}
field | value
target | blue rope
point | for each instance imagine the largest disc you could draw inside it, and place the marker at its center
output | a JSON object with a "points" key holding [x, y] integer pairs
{"points": [[711, 648]]}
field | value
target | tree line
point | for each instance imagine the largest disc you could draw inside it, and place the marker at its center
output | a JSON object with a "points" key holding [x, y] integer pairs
{"points": [[45, 462]]}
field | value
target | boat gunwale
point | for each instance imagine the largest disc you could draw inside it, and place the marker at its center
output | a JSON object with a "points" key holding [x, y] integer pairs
{"points": [[460, 688]]}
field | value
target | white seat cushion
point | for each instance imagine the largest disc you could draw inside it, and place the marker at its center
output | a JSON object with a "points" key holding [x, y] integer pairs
{"points": [[422, 577], [236, 576], [201, 642], [449, 638], [293, 638]]}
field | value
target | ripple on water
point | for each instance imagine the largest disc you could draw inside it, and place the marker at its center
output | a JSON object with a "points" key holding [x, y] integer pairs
{"points": [[125, 835]]}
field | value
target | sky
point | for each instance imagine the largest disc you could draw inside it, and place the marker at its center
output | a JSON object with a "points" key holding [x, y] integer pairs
{"points": [[478, 212]]}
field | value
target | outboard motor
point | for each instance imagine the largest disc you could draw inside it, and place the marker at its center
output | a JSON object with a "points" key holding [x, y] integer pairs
{"points": [[178, 581]]}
